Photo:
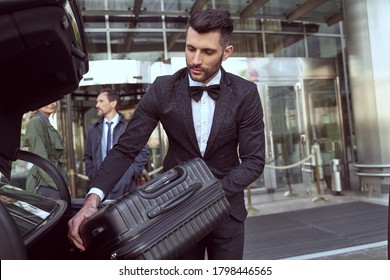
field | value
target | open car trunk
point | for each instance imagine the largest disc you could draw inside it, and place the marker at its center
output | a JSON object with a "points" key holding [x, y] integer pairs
{"points": [[43, 57]]}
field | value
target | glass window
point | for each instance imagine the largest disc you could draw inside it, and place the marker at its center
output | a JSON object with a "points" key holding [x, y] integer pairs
{"points": [[284, 45], [137, 45], [278, 8], [322, 28], [120, 5], [91, 5], [176, 22], [236, 6], [176, 42], [97, 45], [176, 6], [249, 24], [135, 22], [323, 47], [247, 45], [276, 25], [94, 22]]}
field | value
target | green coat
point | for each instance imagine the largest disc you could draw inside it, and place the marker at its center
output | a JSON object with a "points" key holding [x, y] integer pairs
{"points": [[43, 139]]}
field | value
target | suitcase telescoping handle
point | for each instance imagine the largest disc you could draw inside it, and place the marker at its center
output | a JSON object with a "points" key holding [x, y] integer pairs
{"points": [[162, 184], [176, 201]]}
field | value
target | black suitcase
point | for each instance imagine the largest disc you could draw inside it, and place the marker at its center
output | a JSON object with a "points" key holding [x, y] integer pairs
{"points": [[160, 220]]}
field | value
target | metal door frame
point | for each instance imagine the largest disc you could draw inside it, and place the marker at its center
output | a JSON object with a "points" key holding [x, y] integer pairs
{"points": [[263, 88]]}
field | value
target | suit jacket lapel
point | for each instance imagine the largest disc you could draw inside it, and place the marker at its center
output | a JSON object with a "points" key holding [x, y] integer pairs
{"points": [[184, 105], [220, 111]]}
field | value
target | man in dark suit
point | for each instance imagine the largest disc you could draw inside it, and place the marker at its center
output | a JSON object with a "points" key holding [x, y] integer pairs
{"points": [[224, 128], [97, 144]]}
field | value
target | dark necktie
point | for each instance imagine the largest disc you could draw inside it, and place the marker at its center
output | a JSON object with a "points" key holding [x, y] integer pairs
{"points": [[108, 146], [196, 92]]}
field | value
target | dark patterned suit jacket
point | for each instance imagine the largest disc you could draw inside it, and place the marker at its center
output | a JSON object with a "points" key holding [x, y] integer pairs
{"points": [[235, 148]]}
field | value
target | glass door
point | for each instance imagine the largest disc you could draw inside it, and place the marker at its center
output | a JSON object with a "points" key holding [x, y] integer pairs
{"points": [[323, 123], [284, 134]]}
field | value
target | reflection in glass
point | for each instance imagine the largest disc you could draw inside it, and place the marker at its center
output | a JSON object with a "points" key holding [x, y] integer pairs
{"points": [[247, 45], [286, 140], [323, 47], [97, 45], [137, 46], [324, 121], [284, 45]]}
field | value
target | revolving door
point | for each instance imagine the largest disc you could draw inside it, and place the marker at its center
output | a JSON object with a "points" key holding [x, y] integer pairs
{"points": [[301, 112]]}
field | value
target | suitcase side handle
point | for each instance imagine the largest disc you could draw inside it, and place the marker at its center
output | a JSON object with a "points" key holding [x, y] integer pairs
{"points": [[160, 185], [175, 202]]}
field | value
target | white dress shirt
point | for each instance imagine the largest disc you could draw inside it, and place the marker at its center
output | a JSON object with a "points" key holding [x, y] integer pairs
{"points": [[203, 113]]}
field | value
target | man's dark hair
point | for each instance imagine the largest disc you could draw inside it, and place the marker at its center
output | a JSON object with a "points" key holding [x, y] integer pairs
{"points": [[112, 96], [209, 20]]}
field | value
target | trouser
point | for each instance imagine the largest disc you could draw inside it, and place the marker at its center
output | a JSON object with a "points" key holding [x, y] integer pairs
{"points": [[226, 242]]}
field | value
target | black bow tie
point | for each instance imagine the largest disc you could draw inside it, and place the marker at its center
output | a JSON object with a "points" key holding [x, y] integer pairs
{"points": [[196, 92]]}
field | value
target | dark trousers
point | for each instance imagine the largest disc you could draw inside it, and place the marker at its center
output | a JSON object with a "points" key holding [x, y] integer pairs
{"points": [[226, 242]]}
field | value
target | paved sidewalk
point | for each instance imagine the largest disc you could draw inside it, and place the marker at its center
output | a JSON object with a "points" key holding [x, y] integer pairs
{"points": [[265, 203]]}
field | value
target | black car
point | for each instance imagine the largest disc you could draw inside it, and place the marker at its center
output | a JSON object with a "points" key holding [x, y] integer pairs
{"points": [[43, 57]]}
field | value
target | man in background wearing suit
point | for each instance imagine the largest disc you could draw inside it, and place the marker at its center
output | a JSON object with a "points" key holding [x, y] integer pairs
{"points": [[225, 128], [112, 124]]}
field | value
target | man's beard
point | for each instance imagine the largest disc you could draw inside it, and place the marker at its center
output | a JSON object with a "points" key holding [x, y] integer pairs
{"points": [[207, 74]]}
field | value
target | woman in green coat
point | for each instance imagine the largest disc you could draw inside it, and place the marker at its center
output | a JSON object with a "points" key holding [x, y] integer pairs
{"points": [[43, 139]]}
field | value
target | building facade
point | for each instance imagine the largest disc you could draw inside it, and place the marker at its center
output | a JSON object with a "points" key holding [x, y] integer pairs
{"points": [[313, 70]]}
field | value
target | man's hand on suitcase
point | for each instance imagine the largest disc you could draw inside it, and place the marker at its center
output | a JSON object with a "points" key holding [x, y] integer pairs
{"points": [[89, 208]]}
